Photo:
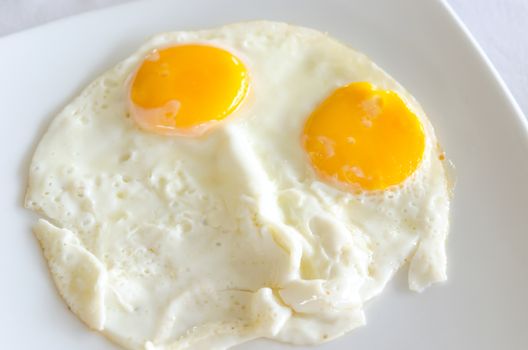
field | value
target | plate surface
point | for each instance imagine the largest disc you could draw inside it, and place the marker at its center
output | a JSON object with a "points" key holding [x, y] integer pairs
{"points": [[484, 305]]}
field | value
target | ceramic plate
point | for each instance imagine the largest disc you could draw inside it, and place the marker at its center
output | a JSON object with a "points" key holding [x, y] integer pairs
{"points": [[484, 304]]}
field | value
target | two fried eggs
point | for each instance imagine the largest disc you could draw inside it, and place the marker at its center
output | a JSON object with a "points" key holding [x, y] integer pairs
{"points": [[255, 180]]}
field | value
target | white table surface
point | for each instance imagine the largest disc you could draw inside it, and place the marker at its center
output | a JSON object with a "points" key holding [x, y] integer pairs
{"points": [[500, 27]]}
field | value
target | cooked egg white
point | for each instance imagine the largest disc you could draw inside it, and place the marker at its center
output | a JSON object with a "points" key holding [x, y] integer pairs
{"points": [[213, 215]]}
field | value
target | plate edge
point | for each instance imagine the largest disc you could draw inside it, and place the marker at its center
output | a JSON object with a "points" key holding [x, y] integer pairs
{"points": [[522, 118]]}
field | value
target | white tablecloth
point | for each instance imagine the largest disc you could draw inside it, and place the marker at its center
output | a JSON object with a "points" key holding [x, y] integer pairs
{"points": [[500, 26]]}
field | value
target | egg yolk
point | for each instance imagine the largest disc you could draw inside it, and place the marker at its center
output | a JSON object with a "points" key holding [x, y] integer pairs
{"points": [[366, 137], [185, 90]]}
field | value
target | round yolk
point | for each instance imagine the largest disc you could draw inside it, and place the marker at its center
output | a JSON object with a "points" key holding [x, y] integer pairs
{"points": [[184, 90], [364, 137]]}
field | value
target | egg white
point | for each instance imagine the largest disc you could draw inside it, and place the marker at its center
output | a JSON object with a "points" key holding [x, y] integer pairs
{"points": [[167, 242]]}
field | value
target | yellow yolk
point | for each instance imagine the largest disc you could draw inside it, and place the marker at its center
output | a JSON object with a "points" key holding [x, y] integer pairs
{"points": [[365, 137], [184, 90]]}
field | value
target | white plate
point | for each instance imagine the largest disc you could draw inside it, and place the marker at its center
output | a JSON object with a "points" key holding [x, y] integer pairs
{"points": [[484, 305]]}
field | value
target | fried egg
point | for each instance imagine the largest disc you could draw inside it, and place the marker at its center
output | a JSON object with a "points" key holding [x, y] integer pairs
{"points": [[258, 180]]}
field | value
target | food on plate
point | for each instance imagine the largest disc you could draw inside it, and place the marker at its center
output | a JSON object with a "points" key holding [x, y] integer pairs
{"points": [[254, 180]]}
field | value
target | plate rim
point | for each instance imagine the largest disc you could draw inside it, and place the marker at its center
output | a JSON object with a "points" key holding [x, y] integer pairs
{"points": [[472, 41]]}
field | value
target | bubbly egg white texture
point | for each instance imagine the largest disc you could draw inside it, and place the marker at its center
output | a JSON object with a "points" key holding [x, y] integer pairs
{"points": [[167, 242]]}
